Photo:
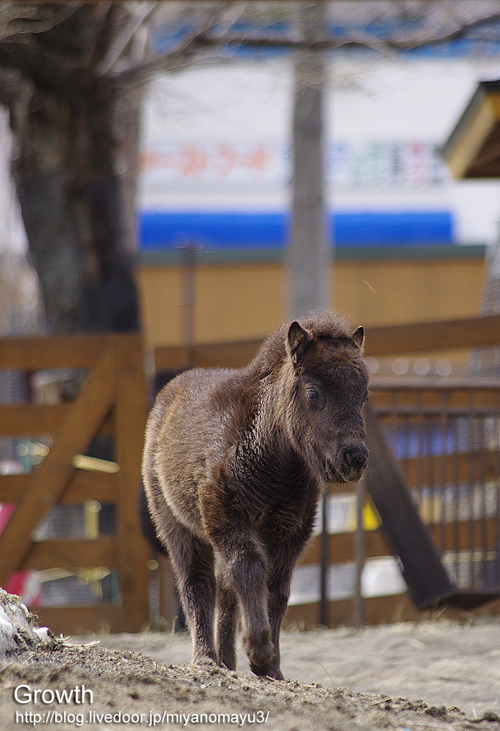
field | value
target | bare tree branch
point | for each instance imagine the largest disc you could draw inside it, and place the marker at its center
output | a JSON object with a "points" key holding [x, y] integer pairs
{"points": [[142, 14], [19, 21], [180, 55], [214, 30]]}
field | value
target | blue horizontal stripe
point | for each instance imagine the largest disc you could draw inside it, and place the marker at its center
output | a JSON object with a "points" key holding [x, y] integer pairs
{"points": [[479, 40], [270, 230]]}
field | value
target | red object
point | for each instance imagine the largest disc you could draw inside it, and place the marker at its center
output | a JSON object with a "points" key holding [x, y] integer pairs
{"points": [[23, 583]]}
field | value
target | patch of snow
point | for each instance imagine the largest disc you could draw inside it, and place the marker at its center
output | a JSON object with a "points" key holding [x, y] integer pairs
{"points": [[18, 630]]}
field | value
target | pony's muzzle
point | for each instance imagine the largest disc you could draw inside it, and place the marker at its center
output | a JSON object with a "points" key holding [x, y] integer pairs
{"points": [[354, 460]]}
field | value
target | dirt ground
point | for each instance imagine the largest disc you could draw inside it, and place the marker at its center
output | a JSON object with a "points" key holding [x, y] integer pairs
{"points": [[411, 677]]}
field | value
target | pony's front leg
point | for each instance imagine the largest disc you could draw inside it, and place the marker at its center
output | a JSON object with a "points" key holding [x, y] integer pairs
{"points": [[246, 567], [279, 592], [284, 557]]}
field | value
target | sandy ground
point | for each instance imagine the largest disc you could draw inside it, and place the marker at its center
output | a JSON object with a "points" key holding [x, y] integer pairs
{"points": [[410, 677]]}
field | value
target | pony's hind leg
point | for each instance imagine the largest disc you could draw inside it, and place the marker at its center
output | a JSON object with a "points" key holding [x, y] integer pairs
{"points": [[193, 565]]}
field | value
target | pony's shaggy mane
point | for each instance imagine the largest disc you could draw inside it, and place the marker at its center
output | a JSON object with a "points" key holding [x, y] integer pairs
{"points": [[325, 325]]}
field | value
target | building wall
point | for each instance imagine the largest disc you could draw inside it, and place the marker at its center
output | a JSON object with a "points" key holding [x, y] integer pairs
{"points": [[216, 145], [243, 300]]}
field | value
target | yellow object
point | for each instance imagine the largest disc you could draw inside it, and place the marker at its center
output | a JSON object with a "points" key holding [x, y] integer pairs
{"points": [[93, 464], [371, 518]]}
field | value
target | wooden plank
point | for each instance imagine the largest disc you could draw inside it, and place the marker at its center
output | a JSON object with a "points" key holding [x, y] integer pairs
{"points": [[457, 535], [433, 397], [412, 414], [55, 351], [470, 135], [84, 485], [76, 620], [443, 335], [341, 547], [210, 355], [54, 473], [130, 415], [35, 420], [174, 357], [73, 553], [13, 488], [378, 610], [380, 341]]}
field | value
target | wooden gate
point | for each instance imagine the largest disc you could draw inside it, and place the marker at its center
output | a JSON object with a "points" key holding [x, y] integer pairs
{"points": [[113, 402]]}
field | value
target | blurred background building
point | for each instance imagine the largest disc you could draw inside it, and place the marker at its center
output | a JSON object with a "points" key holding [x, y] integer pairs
{"points": [[410, 242]]}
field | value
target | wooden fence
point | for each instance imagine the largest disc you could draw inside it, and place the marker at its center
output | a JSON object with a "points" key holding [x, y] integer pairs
{"points": [[111, 402], [435, 475]]}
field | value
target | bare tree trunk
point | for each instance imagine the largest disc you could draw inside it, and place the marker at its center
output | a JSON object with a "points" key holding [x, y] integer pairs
{"points": [[72, 128], [73, 211], [309, 253]]}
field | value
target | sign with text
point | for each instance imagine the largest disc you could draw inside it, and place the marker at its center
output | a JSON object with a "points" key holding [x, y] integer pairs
{"points": [[257, 166]]}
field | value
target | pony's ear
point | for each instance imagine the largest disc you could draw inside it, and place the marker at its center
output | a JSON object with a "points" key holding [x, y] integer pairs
{"points": [[297, 341], [359, 337]]}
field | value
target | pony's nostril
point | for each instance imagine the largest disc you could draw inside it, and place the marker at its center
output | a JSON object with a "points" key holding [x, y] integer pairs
{"points": [[355, 457]]}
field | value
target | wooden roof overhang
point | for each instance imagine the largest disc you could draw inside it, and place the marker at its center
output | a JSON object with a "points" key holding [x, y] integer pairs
{"points": [[473, 148]]}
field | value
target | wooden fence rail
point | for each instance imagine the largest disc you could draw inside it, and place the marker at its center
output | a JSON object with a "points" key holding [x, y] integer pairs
{"points": [[111, 402], [380, 341]]}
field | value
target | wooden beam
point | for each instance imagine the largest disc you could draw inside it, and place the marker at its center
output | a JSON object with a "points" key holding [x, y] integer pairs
{"points": [[210, 355], [34, 420], [341, 547], [427, 336], [83, 486], [53, 475], [37, 420], [451, 469], [73, 554], [456, 537], [385, 340], [378, 610], [130, 420], [55, 351]]}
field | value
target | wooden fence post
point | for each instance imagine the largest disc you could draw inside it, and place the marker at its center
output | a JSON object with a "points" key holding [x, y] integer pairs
{"points": [[130, 415]]}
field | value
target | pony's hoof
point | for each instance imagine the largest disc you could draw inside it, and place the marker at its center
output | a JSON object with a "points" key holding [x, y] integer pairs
{"points": [[204, 660], [267, 672]]}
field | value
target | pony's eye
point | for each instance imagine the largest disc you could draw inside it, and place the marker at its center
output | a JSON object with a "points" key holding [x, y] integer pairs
{"points": [[312, 394], [365, 398]]}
